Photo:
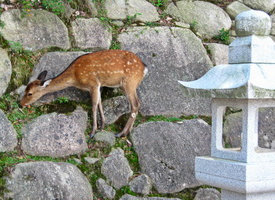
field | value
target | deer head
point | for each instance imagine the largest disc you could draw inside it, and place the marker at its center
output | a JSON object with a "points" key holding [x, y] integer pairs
{"points": [[35, 89]]}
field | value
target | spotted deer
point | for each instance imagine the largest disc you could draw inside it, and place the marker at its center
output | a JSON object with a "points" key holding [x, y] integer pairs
{"points": [[90, 72]]}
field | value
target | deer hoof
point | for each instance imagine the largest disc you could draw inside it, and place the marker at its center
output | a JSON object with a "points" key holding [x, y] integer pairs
{"points": [[119, 134]]}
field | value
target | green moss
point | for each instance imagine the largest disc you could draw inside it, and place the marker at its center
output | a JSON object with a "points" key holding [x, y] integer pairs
{"points": [[18, 116], [223, 36], [122, 191], [129, 153], [160, 4]]}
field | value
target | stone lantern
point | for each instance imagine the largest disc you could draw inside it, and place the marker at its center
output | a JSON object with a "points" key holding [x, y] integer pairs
{"points": [[248, 83]]}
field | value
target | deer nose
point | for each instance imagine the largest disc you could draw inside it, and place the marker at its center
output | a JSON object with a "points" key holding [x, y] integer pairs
{"points": [[22, 104]]}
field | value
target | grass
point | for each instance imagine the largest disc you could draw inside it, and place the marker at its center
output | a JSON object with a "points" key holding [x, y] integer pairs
{"points": [[223, 36], [18, 116], [160, 4]]}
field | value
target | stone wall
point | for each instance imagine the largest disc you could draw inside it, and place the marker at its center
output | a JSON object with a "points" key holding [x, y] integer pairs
{"points": [[177, 40]]}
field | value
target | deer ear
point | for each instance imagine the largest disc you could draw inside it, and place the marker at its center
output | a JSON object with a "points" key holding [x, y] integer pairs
{"points": [[46, 83], [42, 76]]}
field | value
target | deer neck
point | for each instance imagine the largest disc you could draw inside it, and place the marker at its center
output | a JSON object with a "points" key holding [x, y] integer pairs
{"points": [[58, 83]]}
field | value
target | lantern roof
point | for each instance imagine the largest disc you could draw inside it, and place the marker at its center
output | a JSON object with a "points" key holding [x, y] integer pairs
{"points": [[251, 69]]}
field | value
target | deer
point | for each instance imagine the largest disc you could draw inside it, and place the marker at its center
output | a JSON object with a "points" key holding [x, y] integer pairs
{"points": [[90, 72]]}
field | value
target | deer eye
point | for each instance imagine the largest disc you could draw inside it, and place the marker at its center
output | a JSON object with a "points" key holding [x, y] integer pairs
{"points": [[29, 94]]}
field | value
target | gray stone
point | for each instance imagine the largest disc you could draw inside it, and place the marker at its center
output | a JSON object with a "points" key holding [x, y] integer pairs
{"points": [[5, 71], [236, 8], [130, 197], [115, 108], [106, 137], [104, 189], [56, 135], [116, 9], [218, 52], [207, 24], [20, 91], [167, 152], [143, 10], [208, 194], [47, 180], [233, 128], [55, 63], [264, 5], [141, 184], [170, 54], [91, 33], [8, 136], [118, 23], [116, 168], [273, 24], [253, 22], [182, 25], [78, 161], [68, 10], [91, 160], [38, 29]]}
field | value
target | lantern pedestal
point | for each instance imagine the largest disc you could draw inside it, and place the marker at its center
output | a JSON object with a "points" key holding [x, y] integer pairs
{"points": [[238, 180]]}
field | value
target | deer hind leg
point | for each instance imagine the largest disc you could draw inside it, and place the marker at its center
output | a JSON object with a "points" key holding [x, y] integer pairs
{"points": [[101, 113], [95, 96], [134, 101]]}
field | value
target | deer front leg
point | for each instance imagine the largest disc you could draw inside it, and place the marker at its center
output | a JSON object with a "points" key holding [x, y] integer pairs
{"points": [[95, 96]]}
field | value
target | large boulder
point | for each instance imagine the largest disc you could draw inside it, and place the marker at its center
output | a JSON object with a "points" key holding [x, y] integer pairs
{"points": [[218, 53], [207, 24], [47, 180], [114, 108], [8, 136], [115, 9], [236, 8], [5, 71], [36, 29], [264, 5], [208, 194], [56, 135], [55, 63], [141, 184], [91, 34], [273, 24], [266, 131], [116, 168], [167, 152], [104, 189], [171, 54], [141, 10], [130, 197]]}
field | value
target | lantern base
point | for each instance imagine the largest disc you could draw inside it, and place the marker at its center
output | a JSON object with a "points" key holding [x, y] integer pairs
{"points": [[228, 195], [241, 179]]}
